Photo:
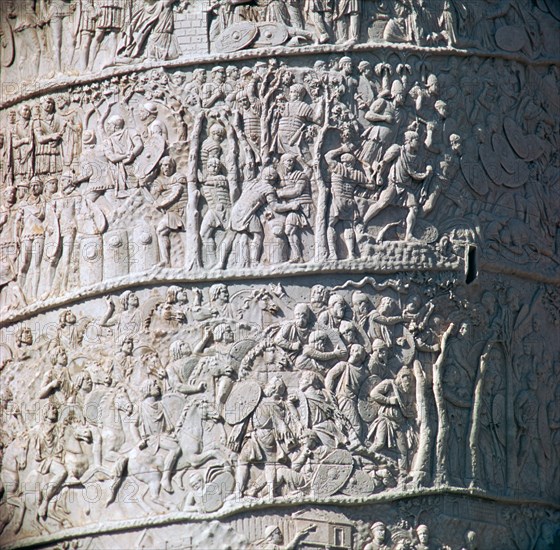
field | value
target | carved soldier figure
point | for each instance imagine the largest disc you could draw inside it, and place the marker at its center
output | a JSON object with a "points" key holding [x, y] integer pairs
{"points": [[167, 191], [50, 458], [214, 92], [389, 428], [57, 12], [295, 186], [49, 131], [244, 220], [217, 191], [57, 379], [293, 121], [23, 145], [344, 381], [110, 22], [403, 174], [31, 232], [344, 180], [59, 253], [122, 147], [156, 430], [348, 19], [268, 437], [212, 145], [378, 537], [322, 11], [148, 114]]}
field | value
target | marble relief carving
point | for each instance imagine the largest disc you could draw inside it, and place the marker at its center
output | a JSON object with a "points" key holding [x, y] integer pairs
{"points": [[283, 274]]}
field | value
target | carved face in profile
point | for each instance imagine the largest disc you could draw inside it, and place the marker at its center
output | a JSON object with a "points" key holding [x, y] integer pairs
{"points": [[318, 294], [10, 196], [378, 533]]}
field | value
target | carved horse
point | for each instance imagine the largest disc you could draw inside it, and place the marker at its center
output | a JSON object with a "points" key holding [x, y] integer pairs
{"points": [[14, 461]]}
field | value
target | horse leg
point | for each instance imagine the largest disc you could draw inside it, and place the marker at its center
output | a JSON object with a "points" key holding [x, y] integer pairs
{"points": [[119, 473]]}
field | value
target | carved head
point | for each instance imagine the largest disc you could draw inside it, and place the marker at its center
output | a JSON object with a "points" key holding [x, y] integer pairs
{"points": [[357, 354], [360, 302], [213, 166], [129, 300], [219, 293], [196, 482], [348, 160], [345, 65], [179, 350], [412, 141], [58, 357], [319, 294], [217, 132], [232, 72], [319, 340], [47, 102], [364, 68], [84, 381], [36, 187], [127, 345], [423, 534], [115, 123], [223, 333], [288, 162], [404, 379], [148, 111], [297, 92], [348, 332], [9, 195], [337, 306], [219, 74], [24, 336], [275, 387], [380, 351], [12, 115], [301, 315], [456, 144], [378, 532], [50, 412], [273, 535]]}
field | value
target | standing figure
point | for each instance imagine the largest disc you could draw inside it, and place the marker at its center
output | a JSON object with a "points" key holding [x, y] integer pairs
{"points": [[110, 22], [403, 174], [295, 185], [122, 147], [31, 233], [49, 131], [152, 32], [217, 191], [322, 11], [268, 438], [293, 122], [344, 180], [23, 146], [348, 19], [389, 429], [344, 381], [167, 191], [57, 12]]}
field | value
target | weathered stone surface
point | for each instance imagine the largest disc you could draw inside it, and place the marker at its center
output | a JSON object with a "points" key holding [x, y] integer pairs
{"points": [[279, 274]]}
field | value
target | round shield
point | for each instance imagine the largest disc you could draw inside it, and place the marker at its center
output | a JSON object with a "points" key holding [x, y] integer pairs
{"points": [[423, 232], [527, 147], [239, 350], [236, 37], [92, 407], [366, 406], [7, 44], [510, 38], [332, 474], [271, 34], [242, 401], [173, 404], [475, 176], [360, 484], [219, 485], [147, 161]]}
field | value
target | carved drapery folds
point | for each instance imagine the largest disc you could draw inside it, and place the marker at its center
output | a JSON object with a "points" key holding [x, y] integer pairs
{"points": [[260, 255]]}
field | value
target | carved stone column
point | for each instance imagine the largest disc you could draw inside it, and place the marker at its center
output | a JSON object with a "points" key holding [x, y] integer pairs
{"points": [[279, 274]]}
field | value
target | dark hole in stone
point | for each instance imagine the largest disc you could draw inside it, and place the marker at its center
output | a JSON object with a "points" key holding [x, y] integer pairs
{"points": [[471, 271]]}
